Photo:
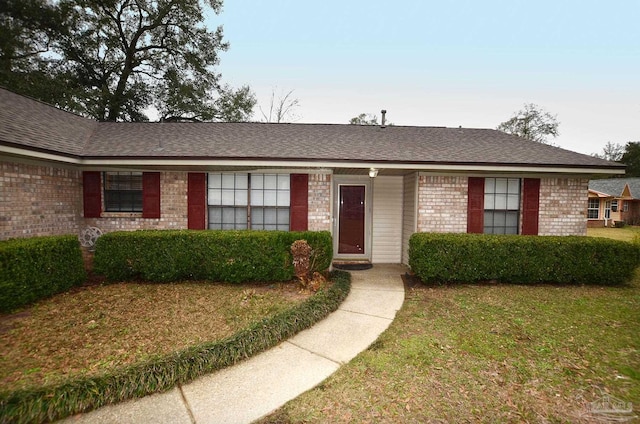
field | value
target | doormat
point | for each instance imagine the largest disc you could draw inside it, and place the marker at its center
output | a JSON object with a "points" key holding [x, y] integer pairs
{"points": [[353, 267]]}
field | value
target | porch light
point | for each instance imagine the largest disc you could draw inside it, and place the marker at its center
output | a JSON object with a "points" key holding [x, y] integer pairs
{"points": [[373, 172]]}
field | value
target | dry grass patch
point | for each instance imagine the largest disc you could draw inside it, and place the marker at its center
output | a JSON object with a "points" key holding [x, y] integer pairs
{"points": [[97, 329], [488, 353]]}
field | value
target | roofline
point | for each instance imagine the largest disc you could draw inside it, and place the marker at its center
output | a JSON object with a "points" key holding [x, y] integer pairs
{"points": [[97, 161]]}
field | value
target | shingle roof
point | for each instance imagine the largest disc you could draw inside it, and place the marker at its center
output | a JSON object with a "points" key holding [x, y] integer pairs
{"points": [[614, 186], [29, 123]]}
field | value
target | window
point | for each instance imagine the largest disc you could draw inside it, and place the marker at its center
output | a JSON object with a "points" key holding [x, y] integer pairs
{"points": [[122, 191], [625, 206], [593, 208], [614, 206], [501, 205], [270, 201], [239, 201]]}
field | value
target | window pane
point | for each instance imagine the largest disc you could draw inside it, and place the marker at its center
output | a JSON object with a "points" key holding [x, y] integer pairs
{"points": [[215, 215], [228, 215], [257, 196], [501, 185], [242, 181], [228, 180], [513, 202], [241, 218], [257, 217], [488, 219], [283, 216], [501, 201], [512, 219], [499, 218], [228, 197], [489, 185], [270, 216], [270, 198], [513, 186], [283, 198], [215, 197], [489, 201], [241, 198], [257, 181], [270, 182], [283, 181], [215, 180]]}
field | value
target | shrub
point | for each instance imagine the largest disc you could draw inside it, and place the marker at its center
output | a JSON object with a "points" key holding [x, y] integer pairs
{"points": [[35, 268], [228, 256], [522, 259], [162, 373]]}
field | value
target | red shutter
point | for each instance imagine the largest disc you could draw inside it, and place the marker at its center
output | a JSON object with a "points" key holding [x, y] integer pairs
{"points": [[196, 200], [299, 209], [151, 195], [475, 205], [92, 194], [530, 206]]}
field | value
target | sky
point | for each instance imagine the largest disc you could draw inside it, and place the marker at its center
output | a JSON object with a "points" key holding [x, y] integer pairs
{"points": [[443, 63]]}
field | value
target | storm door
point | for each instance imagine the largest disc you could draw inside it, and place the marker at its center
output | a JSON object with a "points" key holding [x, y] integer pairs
{"points": [[351, 220]]}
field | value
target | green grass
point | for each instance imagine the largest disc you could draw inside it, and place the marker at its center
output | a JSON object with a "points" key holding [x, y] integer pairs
{"points": [[627, 233], [488, 353]]}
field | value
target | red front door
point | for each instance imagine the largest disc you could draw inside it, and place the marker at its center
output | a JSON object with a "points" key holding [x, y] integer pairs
{"points": [[351, 220]]}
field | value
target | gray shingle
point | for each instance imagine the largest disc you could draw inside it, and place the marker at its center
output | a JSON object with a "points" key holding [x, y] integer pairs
{"points": [[30, 123], [615, 186]]}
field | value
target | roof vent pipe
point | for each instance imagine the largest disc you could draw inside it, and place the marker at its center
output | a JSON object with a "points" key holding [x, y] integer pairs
{"points": [[384, 118]]}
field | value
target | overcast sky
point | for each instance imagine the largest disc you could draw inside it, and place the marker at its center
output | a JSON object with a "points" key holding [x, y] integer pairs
{"points": [[444, 63]]}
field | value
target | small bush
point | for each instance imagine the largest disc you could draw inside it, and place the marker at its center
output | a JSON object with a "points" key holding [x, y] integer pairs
{"points": [[619, 224], [163, 373], [522, 259], [35, 268], [228, 256]]}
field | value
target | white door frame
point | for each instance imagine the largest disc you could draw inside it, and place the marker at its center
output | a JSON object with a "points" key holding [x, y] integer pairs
{"points": [[351, 180]]}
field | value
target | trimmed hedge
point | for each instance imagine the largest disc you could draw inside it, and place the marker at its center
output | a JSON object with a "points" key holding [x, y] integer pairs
{"points": [[161, 374], [522, 259], [229, 256], [35, 268]]}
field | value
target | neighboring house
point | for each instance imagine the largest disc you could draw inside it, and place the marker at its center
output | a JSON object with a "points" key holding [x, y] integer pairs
{"points": [[612, 200], [370, 186]]}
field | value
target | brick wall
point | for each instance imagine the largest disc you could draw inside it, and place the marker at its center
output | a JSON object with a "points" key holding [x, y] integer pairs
{"points": [[173, 209], [319, 202], [563, 206], [38, 200], [442, 204]]}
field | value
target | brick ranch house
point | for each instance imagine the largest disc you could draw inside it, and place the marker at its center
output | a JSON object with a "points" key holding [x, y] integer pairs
{"points": [[370, 186], [613, 200]]}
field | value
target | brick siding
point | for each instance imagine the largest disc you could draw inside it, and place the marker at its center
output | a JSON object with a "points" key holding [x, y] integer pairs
{"points": [[442, 204], [38, 200], [319, 202], [173, 209], [563, 206]]}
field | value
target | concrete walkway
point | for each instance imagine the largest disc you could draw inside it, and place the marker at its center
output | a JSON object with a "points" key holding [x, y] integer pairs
{"points": [[256, 387]]}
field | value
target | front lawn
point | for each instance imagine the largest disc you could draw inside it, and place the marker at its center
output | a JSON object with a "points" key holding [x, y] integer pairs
{"points": [[627, 233], [97, 329], [489, 353]]}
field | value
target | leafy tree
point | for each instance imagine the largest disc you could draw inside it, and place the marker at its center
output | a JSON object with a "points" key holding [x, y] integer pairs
{"points": [[28, 29], [532, 123], [281, 109], [631, 158], [611, 151], [366, 119], [116, 58]]}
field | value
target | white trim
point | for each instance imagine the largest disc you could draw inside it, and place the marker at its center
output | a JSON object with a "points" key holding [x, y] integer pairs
{"points": [[352, 180]]}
